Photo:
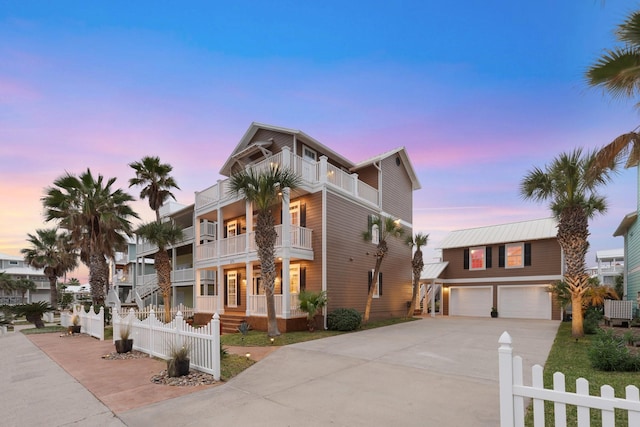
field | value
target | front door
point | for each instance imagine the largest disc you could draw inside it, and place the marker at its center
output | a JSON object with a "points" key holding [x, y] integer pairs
{"points": [[232, 289]]}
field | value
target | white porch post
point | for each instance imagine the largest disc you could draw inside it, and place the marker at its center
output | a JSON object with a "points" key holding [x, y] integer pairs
{"points": [[219, 270], [323, 169], [286, 253], [286, 158], [249, 266], [433, 298]]}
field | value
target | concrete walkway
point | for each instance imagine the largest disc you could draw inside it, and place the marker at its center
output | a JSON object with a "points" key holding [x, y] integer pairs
{"points": [[433, 372], [440, 372]]}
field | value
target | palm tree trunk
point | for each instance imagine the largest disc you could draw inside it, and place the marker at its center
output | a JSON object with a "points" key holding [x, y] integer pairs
{"points": [[417, 264], [372, 288], [98, 277], [265, 240], [163, 268], [53, 292]]}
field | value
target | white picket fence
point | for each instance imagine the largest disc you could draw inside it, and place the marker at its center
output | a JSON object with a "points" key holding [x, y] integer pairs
{"points": [[513, 393], [180, 308], [91, 323], [156, 338]]}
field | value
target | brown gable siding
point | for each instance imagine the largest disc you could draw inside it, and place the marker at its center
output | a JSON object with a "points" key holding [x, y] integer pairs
{"points": [[368, 175], [397, 191], [279, 139], [545, 260], [350, 258]]}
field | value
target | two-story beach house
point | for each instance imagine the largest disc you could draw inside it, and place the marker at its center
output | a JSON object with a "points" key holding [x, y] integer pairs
{"points": [[17, 268], [320, 228], [506, 266]]}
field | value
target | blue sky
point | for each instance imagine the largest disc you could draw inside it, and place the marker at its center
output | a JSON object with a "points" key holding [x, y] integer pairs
{"points": [[478, 92]]}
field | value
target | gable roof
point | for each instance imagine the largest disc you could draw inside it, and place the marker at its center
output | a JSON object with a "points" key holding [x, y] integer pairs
{"points": [[626, 223], [7, 257], [404, 158], [245, 142], [537, 229]]}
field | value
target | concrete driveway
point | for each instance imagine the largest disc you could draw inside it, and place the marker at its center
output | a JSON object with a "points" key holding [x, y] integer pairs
{"points": [[431, 372]]}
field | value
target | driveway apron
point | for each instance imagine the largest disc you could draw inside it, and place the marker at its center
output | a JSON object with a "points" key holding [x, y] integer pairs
{"points": [[431, 372]]}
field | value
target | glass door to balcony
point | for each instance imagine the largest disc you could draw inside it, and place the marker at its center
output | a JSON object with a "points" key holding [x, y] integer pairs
{"points": [[232, 289]]}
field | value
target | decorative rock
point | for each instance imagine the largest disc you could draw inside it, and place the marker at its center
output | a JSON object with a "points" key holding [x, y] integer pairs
{"points": [[194, 378]]}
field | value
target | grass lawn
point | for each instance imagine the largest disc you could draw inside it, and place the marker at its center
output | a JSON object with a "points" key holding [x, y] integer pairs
{"points": [[569, 356]]}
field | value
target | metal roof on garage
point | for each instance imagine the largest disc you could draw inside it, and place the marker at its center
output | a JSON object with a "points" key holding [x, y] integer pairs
{"points": [[545, 228], [433, 270]]}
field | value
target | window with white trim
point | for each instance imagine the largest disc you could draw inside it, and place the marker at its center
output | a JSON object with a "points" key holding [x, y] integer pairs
{"points": [[477, 258], [378, 283], [514, 254]]}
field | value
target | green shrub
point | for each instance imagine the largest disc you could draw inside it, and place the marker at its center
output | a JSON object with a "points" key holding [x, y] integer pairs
{"points": [[609, 352], [591, 320], [344, 319]]}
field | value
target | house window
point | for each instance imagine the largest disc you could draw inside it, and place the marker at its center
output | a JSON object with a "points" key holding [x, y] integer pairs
{"points": [[378, 291], [294, 279], [477, 258], [308, 153], [514, 253], [13, 262], [375, 234], [232, 289]]}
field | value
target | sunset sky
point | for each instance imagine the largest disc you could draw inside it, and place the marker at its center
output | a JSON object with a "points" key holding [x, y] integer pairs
{"points": [[478, 92]]}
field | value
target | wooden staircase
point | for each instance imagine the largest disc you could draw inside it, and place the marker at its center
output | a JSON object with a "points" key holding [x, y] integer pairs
{"points": [[230, 321]]}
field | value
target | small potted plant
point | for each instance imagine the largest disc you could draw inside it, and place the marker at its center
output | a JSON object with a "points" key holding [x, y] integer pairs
{"points": [[494, 312], [125, 343], [178, 364], [75, 327]]}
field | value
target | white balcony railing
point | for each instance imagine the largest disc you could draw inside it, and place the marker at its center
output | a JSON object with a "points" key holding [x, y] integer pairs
{"points": [[208, 229], [310, 172], [207, 303], [258, 305], [183, 275]]}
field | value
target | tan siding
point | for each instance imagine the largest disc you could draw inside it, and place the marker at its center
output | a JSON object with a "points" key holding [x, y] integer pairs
{"points": [[313, 203], [545, 260], [397, 193], [369, 175], [350, 258], [280, 140]]}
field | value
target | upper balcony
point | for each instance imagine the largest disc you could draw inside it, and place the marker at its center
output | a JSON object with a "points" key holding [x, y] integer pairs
{"points": [[311, 173], [300, 239], [147, 248]]}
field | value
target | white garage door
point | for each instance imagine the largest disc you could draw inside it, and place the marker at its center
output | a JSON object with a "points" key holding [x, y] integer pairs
{"points": [[470, 301], [524, 302]]}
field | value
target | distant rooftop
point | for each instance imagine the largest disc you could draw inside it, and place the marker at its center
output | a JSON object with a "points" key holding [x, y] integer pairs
{"points": [[537, 229], [610, 255]]}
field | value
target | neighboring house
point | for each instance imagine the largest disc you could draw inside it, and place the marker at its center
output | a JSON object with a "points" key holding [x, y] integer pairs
{"points": [[320, 230], [17, 268], [609, 265], [508, 266], [124, 272], [629, 228]]}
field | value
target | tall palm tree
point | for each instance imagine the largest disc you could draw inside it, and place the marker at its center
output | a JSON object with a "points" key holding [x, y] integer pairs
{"points": [[52, 252], [618, 73], [263, 189], [417, 264], [162, 234], [97, 218], [154, 177], [618, 70], [387, 227], [569, 185], [23, 285]]}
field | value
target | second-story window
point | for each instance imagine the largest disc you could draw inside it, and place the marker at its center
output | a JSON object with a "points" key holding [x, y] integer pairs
{"points": [[477, 258], [514, 254]]}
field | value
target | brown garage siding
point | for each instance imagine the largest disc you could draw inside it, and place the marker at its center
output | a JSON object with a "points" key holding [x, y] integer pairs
{"points": [[350, 258], [397, 190], [545, 260]]}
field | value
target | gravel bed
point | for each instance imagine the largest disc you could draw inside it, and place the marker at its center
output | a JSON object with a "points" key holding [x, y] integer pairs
{"points": [[193, 379]]}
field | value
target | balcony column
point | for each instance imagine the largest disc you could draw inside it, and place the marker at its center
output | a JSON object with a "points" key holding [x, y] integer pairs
{"points": [[286, 158], [219, 270], [286, 253], [249, 267], [323, 169], [354, 177]]}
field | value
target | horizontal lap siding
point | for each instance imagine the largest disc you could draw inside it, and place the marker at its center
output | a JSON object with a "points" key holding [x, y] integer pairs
{"points": [[280, 140], [546, 259], [313, 203], [350, 258], [397, 190]]}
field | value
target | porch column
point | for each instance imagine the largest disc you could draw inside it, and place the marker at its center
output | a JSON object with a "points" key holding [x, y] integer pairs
{"points": [[286, 158], [286, 253], [323, 169], [172, 276], [249, 267], [219, 270], [198, 290], [433, 298]]}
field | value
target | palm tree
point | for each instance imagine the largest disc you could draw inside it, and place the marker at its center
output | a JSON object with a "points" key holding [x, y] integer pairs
{"points": [[52, 252], [162, 234], [97, 218], [7, 284], [417, 263], [263, 189], [387, 227], [23, 285], [570, 185], [156, 181], [618, 70]]}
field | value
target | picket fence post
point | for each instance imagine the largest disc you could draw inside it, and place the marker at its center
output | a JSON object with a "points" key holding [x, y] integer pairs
{"points": [[505, 358], [215, 344]]}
